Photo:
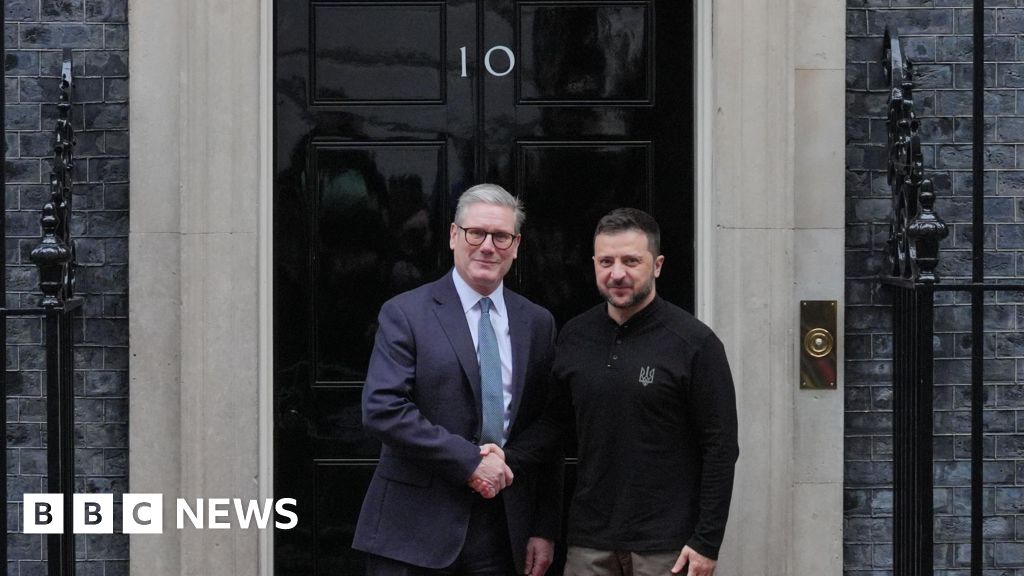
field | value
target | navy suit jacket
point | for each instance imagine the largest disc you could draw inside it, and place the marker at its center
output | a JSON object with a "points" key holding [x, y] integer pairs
{"points": [[422, 401]]}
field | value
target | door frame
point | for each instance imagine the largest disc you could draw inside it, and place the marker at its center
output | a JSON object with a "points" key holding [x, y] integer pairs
{"points": [[266, 276], [703, 182], [703, 148], [199, 274]]}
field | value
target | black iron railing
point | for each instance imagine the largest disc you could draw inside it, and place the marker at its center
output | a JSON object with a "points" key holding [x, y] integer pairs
{"points": [[913, 254], [55, 259], [913, 247]]}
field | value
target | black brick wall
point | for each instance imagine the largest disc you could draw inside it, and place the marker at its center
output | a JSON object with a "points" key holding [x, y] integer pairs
{"points": [[937, 36], [97, 31]]}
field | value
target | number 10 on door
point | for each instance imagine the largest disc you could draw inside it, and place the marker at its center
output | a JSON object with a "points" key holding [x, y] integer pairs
{"points": [[487, 61]]}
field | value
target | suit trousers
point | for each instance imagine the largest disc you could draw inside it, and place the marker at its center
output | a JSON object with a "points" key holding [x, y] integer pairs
{"points": [[486, 552]]}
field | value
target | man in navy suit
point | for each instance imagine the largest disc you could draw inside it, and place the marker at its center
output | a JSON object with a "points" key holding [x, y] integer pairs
{"points": [[457, 364]]}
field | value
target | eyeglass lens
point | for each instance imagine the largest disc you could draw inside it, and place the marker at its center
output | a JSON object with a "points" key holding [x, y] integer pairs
{"points": [[476, 237]]}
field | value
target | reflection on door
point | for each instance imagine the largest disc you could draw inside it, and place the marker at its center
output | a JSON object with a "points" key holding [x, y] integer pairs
{"points": [[384, 113]]}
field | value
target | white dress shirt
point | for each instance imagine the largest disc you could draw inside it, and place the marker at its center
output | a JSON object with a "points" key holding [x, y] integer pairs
{"points": [[499, 320]]}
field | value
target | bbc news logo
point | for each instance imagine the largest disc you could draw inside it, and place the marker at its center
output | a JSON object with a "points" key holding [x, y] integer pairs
{"points": [[144, 513]]}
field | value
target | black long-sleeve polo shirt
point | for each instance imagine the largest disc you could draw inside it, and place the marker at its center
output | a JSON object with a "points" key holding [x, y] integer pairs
{"points": [[655, 418]]}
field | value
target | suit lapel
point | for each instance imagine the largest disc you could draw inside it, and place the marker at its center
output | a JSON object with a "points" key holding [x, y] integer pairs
{"points": [[519, 332], [452, 319]]}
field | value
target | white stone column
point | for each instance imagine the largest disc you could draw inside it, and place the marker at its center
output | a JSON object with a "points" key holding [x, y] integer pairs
{"points": [[194, 274], [819, 190], [775, 238]]}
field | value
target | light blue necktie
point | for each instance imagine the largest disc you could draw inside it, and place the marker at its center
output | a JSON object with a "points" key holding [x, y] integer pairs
{"points": [[492, 396]]}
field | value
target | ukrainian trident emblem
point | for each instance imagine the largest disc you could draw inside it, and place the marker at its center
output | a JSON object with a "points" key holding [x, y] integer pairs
{"points": [[646, 375]]}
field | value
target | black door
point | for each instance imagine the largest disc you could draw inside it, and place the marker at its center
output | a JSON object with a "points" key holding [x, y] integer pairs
{"points": [[384, 112]]}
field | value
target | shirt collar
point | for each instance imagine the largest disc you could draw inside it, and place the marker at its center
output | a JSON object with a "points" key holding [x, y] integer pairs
{"points": [[470, 297], [640, 318]]}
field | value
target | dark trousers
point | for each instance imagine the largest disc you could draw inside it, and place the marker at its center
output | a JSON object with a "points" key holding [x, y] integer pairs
{"points": [[486, 552]]}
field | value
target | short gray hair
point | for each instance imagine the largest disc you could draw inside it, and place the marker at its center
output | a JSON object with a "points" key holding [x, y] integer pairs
{"points": [[490, 194]]}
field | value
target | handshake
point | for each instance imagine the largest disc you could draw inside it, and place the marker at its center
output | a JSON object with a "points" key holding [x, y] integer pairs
{"points": [[492, 475]]}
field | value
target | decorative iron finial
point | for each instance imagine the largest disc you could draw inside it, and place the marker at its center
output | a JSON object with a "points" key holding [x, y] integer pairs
{"points": [[51, 256], [925, 231], [914, 229], [55, 254]]}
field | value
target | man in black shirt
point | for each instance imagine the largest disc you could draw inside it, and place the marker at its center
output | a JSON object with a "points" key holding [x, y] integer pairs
{"points": [[648, 390]]}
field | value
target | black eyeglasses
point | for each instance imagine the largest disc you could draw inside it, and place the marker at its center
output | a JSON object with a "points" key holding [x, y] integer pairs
{"points": [[476, 237]]}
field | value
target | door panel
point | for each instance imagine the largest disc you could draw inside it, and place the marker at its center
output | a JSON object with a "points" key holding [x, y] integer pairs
{"points": [[336, 513], [377, 232], [383, 52], [567, 187], [384, 113], [585, 54]]}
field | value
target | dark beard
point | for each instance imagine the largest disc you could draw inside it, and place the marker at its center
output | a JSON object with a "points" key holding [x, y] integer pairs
{"points": [[637, 297]]}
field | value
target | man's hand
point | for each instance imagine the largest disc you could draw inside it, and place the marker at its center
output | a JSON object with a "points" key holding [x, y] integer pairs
{"points": [[491, 475], [491, 448], [539, 554], [478, 483], [699, 565]]}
